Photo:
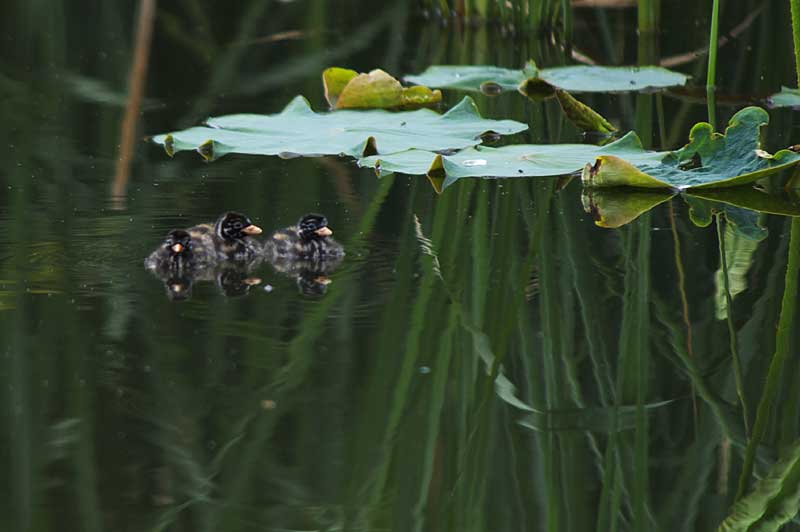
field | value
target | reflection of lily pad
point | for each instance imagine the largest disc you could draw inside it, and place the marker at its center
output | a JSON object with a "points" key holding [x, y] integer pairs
{"points": [[612, 208], [710, 160], [786, 98], [578, 78], [347, 89], [743, 221], [299, 131], [751, 199]]}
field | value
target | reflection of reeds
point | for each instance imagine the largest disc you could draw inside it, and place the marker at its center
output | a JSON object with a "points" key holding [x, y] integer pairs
{"points": [[783, 341], [732, 335], [136, 86], [515, 15]]}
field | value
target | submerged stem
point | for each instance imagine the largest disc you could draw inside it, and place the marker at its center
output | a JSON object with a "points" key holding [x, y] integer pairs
{"points": [[782, 349], [737, 362]]}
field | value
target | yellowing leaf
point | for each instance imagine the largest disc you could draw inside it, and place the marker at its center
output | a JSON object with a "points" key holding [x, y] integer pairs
{"points": [[584, 117], [334, 80], [612, 171], [347, 89], [376, 90]]}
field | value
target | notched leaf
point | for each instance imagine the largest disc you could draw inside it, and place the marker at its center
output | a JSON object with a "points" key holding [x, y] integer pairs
{"points": [[611, 171], [577, 78], [299, 130], [334, 80], [206, 150], [347, 89]]}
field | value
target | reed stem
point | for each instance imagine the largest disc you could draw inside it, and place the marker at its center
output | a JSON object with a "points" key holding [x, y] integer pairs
{"points": [[711, 77], [795, 6]]}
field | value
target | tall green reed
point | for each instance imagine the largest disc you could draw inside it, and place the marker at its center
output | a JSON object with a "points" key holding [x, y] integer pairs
{"points": [[711, 77], [786, 321]]}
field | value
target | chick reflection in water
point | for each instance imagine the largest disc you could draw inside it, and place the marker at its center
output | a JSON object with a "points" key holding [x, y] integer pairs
{"points": [[305, 252], [231, 281], [222, 253], [226, 254]]}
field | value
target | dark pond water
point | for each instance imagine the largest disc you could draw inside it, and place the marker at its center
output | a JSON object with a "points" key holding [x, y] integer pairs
{"points": [[487, 359]]}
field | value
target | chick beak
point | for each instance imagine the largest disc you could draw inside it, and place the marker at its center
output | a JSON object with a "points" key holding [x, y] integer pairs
{"points": [[324, 231], [177, 248], [252, 281], [252, 230]]}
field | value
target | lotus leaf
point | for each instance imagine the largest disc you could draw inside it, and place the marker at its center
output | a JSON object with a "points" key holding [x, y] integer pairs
{"points": [[578, 78], [347, 89], [299, 131], [334, 80], [523, 160], [710, 160], [788, 97]]}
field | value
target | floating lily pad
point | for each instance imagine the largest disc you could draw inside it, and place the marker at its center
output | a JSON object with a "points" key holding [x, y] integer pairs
{"points": [[299, 131], [578, 78], [788, 97], [347, 89], [523, 160], [710, 160]]}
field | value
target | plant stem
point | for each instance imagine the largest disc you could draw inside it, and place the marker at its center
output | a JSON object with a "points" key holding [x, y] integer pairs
{"points": [[646, 16], [783, 343], [566, 14], [795, 5], [711, 78]]}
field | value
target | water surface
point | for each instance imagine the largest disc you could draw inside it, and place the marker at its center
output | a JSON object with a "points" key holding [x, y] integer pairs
{"points": [[487, 359]]}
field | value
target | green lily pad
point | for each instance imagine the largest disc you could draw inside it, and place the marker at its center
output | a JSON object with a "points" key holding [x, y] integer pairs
{"points": [[347, 89], [578, 78], [522, 160], [710, 160], [788, 97], [299, 131]]}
